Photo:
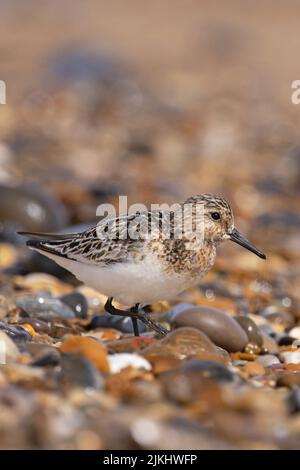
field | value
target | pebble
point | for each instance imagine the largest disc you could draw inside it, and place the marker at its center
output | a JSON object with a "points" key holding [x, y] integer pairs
{"points": [[8, 255], [196, 381], [39, 325], [177, 309], [295, 332], [90, 348], [15, 332], [104, 334], [135, 344], [281, 317], [269, 344], [8, 350], [163, 363], [120, 361], [29, 329], [290, 357], [254, 368], [208, 369], [223, 330], [78, 371], [42, 282], [268, 360], [293, 401], [252, 331], [60, 331], [285, 340], [288, 379], [123, 324], [80, 65], [94, 298], [293, 367], [32, 208], [77, 302], [47, 357], [4, 307], [45, 308], [186, 341]]}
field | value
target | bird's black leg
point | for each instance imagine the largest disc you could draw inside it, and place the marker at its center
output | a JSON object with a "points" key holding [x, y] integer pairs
{"points": [[135, 313], [145, 318], [135, 325], [113, 310], [132, 313]]}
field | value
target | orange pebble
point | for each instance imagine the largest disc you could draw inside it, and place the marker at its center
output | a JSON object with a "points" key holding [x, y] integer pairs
{"points": [[293, 367], [29, 329], [90, 348], [254, 368]]}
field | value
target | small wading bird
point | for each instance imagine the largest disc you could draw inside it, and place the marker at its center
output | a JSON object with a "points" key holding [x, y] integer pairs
{"points": [[143, 270]]}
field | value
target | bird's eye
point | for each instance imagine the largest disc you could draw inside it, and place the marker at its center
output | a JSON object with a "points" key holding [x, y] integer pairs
{"points": [[215, 215]]}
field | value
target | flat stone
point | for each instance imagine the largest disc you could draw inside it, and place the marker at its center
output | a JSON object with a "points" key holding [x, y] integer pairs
{"points": [[185, 342], [268, 360], [45, 308]]}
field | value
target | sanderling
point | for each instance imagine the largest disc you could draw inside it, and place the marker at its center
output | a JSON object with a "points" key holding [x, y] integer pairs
{"points": [[140, 270]]}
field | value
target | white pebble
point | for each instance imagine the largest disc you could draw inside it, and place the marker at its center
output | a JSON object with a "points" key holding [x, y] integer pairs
{"points": [[290, 357], [295, 332], [268, 360], [120, 361], [8, 350]]}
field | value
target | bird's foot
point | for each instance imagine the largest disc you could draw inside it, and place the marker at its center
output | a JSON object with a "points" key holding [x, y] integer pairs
{"points": [[146, 318], [135, 313]]}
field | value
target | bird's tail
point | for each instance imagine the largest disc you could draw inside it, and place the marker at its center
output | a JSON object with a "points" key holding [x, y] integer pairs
{"points": [[47, 242]]}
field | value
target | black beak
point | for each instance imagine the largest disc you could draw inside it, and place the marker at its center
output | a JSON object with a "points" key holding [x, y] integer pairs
{"points": [[238, 238]]}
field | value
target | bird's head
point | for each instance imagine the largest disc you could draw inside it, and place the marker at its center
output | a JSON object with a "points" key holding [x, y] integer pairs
{"points": [[218, 221]]}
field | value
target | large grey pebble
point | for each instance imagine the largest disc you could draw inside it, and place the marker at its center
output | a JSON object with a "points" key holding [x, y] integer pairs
{"points": [[223, 330]]}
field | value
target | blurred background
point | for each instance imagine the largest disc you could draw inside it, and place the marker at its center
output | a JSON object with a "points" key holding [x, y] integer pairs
{"points": [[158, 101], [155, 101]]}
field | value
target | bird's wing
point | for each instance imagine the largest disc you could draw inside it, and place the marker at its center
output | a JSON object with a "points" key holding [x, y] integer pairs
{"points": [[103, 244]]}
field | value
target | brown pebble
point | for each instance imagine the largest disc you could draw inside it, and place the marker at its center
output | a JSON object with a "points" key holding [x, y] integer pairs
{"points": [[185, 342], [243, 356], [132, 344], [290, 379], [163, 363], [269, 344], [90, 348], [250, 328], [254, 368], [39, 326], [293, 367]]}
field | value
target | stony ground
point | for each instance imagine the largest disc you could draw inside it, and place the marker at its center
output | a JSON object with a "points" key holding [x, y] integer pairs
{"points": [[96, 112]]}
